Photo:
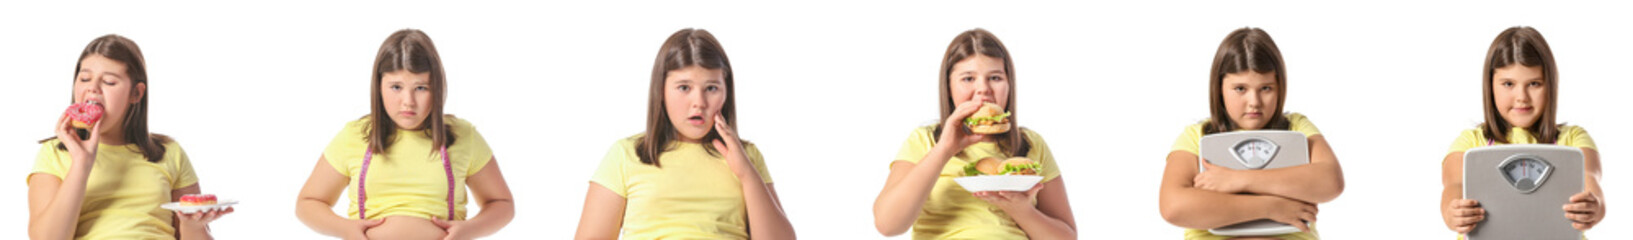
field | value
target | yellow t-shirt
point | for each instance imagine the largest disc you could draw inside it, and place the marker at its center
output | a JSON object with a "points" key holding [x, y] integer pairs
{"points": [[1573, 136], [693, 196], [952, 212], [1190, 140], [124, 191], [408, 179]]}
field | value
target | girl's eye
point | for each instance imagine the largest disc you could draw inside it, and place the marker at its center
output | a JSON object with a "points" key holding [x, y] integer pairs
{"points": [[422, 88], [995, 78], [1239, 89], [1266, 88], [967, 79], [1508, 84], [1536, 84], [85, 79], [396, 88], [711, 88], [684, 88]]}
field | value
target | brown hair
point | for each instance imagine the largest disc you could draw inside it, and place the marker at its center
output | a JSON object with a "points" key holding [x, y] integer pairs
{"points": [[411, 50], [123, 50], [685, 48], [979, 42], [1523, 46], [1246, 49]]}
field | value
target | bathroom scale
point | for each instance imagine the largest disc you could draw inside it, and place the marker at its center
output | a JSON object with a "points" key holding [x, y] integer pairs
{"points": [[1523, 188], [1254, 150]]}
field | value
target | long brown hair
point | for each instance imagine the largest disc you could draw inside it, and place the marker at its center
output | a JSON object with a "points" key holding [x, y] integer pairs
{"points": [[123, 50], [979, 42], [1523, 46], [407, 49], [685, 48], [1246, 49]]}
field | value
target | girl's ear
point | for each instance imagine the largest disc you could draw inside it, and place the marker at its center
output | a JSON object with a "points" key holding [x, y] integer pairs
{"points": [[141, 91]]}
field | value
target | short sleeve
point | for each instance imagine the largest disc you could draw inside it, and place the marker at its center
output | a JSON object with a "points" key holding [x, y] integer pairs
{"points": [[181, 167], [917, 145], [1040, 152], [1468, 139], [759, 162], [1188, 140], [611, 174], [1576, 137], [1300, 123], [50, 161], [347, 145], [473, 146]]}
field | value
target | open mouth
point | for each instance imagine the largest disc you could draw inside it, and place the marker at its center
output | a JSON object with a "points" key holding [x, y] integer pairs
{"points": [[695, 120]]}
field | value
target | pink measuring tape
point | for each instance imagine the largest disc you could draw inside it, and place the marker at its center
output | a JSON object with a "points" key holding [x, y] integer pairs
{"points": [[362, 195]]}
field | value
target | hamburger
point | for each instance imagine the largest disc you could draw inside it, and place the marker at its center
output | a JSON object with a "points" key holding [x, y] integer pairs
{"points": [[1011, 166], [990, 119]]}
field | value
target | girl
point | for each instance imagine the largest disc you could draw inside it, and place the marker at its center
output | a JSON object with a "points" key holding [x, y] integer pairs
{"points": [[920, 192], [1246, 90], [688, 176], [406, 164], [1520, 85], [108, 182]]}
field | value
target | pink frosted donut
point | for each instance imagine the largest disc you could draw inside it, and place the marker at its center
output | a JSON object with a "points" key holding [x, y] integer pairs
{"points": [[84, 114]]}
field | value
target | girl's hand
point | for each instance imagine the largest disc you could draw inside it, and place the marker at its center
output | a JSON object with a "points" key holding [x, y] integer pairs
{"points": [[1010, 200], [732, 148], [1464, 215], [1584, 210], [362, 228], [453, 228], [953, 132], [1292, 212], [201, 219], [83, 151], [1220, 179]]}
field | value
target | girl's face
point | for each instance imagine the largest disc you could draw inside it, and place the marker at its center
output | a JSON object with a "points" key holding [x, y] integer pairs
{"points": [[104, 80], [1250, 98], [407, 97], [692, 96], [979, 78], [1519, 92]]}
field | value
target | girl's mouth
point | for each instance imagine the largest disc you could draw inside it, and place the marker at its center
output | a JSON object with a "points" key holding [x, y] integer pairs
{"points": [[695, 120]]}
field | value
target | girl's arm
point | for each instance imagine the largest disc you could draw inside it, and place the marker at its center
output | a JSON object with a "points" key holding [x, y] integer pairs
{"points": [[1050, 219], [909, 184], [1460, 215], [54, 203], [1186, 206], [1318, 182], [1587, 208], [766, 219], [493, 194], [603, 214], [318, 197], [195, 225], [906, 190]]}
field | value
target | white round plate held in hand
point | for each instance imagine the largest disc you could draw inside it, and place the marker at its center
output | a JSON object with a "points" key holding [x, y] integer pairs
{"points": [[219, 205], [1016, 183]]}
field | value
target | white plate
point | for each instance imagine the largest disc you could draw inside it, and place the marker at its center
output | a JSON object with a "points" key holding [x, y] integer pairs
{"points": [[1254, 228], [219, 205], [998, 183]]}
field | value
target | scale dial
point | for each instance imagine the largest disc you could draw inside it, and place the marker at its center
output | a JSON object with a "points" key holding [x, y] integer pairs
{"points": [[1525, 172], [1254, 153]]}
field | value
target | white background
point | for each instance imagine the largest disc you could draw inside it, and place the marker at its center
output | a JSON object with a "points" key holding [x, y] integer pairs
{"points": [[254, 91]]}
